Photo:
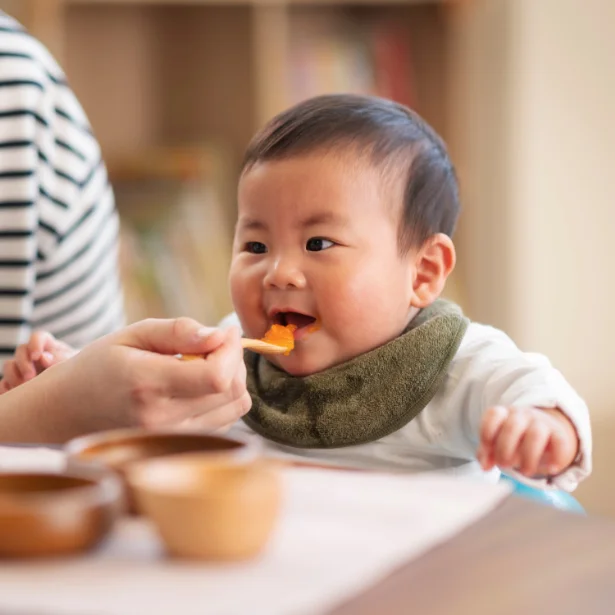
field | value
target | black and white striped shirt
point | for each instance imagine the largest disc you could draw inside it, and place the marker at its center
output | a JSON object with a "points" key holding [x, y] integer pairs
{"points": [[58, 223]]}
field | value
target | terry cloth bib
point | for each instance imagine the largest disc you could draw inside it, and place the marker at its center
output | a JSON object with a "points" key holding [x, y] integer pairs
{"points": [[364, 399]]}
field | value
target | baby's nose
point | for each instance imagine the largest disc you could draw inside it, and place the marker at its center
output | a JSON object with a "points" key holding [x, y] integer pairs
{"points": [[284, 274]]}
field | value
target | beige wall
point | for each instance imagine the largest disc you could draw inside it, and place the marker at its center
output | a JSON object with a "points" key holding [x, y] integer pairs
{"points": [[539, 176], [562, 133], [478, 106], [563, 99]]}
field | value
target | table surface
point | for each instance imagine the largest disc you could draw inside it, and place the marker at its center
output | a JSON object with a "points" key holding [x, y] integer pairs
{"points": [[522, 558]]}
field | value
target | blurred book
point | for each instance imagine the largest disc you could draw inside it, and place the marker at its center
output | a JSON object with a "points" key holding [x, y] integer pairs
{"points": [[176, 236], [392, 63], [332, 52], [328, 55]]}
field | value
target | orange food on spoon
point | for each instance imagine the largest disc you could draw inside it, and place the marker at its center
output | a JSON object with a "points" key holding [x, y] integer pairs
{"points": [[281, 335]]}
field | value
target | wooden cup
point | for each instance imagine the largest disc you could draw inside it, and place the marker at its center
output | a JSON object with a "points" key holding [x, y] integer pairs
{"points": [[118, 449], [57, 513], [209, 509]]}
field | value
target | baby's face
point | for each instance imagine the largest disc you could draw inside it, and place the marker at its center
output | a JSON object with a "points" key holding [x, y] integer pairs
{"points": [[316, 246]]}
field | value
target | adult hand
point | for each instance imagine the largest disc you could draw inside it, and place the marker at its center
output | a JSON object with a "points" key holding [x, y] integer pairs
{"points": [[134, 378]]}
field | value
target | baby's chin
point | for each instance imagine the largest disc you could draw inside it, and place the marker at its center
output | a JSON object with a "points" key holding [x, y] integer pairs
{"points": [[300, 366]]}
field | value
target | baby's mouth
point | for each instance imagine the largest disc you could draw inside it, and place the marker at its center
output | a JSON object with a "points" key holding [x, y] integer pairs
{"points": [[304, 324]]}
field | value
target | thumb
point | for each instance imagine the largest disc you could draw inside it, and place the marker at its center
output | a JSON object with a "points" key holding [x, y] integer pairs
{"points": [[171, 336]]}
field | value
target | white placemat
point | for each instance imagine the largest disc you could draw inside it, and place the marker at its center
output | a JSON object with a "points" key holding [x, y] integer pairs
{"points": [[339, 533]]}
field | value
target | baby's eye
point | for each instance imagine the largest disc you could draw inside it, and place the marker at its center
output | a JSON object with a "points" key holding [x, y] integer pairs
{"points": [[316, 244], [255, 247]]}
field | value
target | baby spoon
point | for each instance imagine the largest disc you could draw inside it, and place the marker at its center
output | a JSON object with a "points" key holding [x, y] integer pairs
{"points": [[250, 344]]}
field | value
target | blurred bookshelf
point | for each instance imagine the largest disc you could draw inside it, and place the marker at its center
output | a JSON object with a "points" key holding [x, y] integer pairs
{"points": [[174, 238], [175, 90]]}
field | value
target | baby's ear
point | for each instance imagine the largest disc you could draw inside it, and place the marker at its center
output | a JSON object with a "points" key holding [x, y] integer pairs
{"points": [[434, 262]]}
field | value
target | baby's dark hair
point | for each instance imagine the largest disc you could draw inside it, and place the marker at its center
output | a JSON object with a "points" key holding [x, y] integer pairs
{"points": [[394, 137]]}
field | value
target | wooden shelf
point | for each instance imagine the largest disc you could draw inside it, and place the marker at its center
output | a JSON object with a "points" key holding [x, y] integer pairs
{"points": [[164, 72], [265, 3]]}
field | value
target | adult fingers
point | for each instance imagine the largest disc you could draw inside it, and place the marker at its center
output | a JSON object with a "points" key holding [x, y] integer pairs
{"points": [[214, 374], [171, 336]]}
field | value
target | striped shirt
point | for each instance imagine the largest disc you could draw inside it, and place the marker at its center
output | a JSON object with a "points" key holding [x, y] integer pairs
{"points": [[58, 222]]}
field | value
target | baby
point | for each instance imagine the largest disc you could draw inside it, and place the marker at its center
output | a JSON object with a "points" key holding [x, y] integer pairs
{"points": [[346, 209]]}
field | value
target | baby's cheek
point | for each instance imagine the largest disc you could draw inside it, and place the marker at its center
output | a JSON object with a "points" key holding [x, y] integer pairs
{"points": [[245, 312], [377, 315], [352, 319]]}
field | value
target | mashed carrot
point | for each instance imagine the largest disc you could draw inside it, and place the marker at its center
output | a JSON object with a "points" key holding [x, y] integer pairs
{"points": [[281, 335]]}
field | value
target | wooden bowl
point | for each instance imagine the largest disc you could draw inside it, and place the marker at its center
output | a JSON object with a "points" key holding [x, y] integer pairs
{"points": [[56, 513], [117, 449], [208, 509]]}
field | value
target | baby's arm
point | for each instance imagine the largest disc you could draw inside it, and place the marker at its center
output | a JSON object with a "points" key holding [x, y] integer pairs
{"points": [[518, 412], [41, 351]]}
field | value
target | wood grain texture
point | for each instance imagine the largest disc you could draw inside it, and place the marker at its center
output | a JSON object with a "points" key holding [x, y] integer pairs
{"points": [[523, 558]]}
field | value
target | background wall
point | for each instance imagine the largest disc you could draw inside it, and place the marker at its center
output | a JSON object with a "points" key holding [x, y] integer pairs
{"points": [[538, 238]]}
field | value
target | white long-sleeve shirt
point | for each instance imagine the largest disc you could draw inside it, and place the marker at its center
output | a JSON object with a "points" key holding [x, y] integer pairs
{"points": [[488, 370]]}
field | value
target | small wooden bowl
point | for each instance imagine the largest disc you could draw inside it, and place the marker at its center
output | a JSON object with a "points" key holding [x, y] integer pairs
{"points": [[206, 509], [117, 449], [56, 513]]}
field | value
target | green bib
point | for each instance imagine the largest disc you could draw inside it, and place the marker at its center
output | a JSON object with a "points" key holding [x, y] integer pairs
{"points": [[364, 399]]}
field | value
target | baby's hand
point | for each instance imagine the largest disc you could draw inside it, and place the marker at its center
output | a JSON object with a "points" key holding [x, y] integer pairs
{"points": [[534, 442], [40, 352]]}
